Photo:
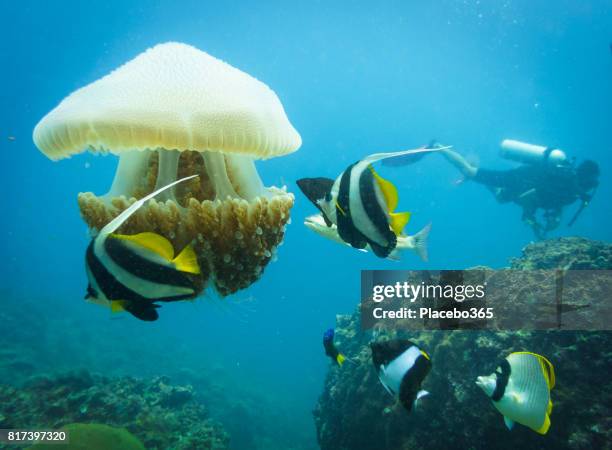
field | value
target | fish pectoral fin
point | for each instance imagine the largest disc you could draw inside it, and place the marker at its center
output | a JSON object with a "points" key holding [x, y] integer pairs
{"points": [[549, 407], [545, 426], [187, 261], [509, 423], [382, 370], [420, 394], [516, 397], [118, 305], [151, 241], [399, 221], [388, 190]]}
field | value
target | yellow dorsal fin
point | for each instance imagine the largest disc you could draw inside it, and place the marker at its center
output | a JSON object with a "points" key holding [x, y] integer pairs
{"points": [[340, 358], [547, 368], [388, 189], [117, 305], [399, 221], [545, 426], [151, 241], [187, 261]]}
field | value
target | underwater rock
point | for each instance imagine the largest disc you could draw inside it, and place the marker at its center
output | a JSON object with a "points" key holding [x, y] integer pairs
{"points": [[159, 414], [355, 412], [565, 253]]}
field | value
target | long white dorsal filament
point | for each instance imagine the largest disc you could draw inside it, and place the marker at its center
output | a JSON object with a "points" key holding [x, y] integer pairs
{"points": [[378, 156], [125, 215]]}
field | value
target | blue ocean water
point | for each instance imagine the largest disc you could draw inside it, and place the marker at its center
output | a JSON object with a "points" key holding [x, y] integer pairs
{"points": [[355, 78]]}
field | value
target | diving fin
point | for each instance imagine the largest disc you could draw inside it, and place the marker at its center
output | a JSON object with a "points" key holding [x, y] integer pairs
{"points": [[340, 359], [509, 423]]}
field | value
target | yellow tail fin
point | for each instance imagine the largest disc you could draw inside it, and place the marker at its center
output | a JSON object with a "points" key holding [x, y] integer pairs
{"points": [[399, 221], [340, 359], [545, 426], [187, 261]]}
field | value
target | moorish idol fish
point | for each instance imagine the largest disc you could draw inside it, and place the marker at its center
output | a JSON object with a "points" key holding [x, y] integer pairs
{"points": [[401, 367], [330, 348], [361, 204], [132, 272], [520, 390]]}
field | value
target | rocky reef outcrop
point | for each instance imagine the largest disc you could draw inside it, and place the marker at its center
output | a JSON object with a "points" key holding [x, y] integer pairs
{"points": [[160, 414], [354, 411]]}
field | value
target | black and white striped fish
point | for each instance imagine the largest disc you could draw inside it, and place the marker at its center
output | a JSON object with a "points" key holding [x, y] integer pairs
{"points": [[401, 367], [133, 272], [361, 204]]}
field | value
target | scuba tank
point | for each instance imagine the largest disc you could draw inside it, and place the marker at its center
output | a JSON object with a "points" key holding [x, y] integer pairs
{"points": [[531, 154]]}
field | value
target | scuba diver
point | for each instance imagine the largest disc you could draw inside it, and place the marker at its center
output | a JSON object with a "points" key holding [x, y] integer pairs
{"points": [[546, 180]]}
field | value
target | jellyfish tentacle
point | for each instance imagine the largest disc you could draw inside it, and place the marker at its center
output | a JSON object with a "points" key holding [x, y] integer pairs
{"points": [[244, 177], [217, 171], [166, 172], [131, 170]]}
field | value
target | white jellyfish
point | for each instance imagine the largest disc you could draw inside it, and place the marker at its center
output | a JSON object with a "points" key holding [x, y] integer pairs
{"points": [[171, 112]]}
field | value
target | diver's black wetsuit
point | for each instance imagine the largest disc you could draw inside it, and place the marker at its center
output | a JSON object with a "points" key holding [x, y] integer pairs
{"points": [[538, 186]]}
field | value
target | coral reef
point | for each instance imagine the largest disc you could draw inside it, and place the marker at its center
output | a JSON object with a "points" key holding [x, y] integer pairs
{"points": [[354, 412], [565, 253], [161, 415]]}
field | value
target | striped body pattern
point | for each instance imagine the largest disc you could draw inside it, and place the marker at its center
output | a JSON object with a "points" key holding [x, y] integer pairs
{"points": [[133, 272]]}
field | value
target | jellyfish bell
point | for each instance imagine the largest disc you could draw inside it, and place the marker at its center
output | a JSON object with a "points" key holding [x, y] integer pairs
{"points": [[175, 111]]}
